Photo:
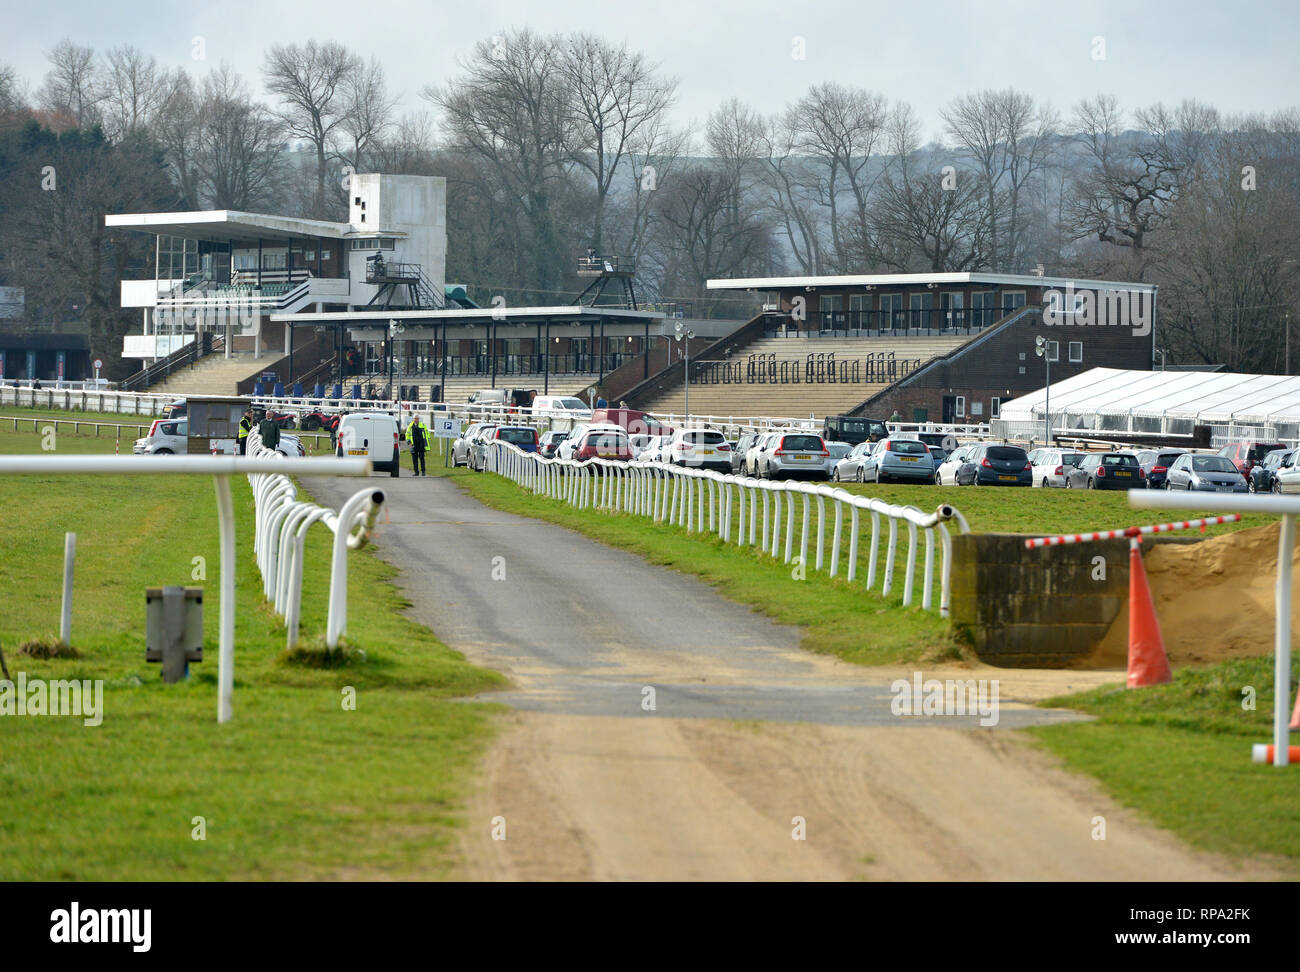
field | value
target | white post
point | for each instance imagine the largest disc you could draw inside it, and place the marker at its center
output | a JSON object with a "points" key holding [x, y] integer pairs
{"points": [[226, 636], [1282, 645], [69, 558]]}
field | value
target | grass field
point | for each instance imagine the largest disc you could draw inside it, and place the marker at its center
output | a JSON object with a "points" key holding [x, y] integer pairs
{"points": [[1180, 754], [297, 786]]}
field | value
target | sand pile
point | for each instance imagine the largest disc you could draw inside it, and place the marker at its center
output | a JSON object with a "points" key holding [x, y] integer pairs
{"points": [[1214, 598]]}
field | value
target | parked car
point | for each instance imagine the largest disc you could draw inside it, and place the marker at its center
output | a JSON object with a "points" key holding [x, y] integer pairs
{"points": [[957, 468], [174, 410], [371, 434], [897, 458], [998, 464], [1287, 478], [523, 436], [549, 442], [460, 447], [699, 449], [938, 454], [165, 437], [640, 443], [1264, 475], [1051, 465], [1246, 454], [760, 446], [1106, 470], [1155, 465], [571, 444], [740, 449], [837, 450], [1198, 471], [853, 429], [317, 419], [654, 449], [793, 454], [632, 421], [605, 442], [567, 406], [848, 468]]}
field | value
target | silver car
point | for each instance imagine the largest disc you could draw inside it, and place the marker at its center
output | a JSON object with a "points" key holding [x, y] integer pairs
{"points": [[165, 438], [1206, 473], [849, 469], [793, 454]]}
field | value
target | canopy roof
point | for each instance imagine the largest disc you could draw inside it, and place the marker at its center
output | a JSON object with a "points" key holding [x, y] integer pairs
{"points": [[1207, 397], [226, 225]]}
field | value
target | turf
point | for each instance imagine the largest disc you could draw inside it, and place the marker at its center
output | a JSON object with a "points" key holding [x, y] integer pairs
{"points": [[299, 785]]}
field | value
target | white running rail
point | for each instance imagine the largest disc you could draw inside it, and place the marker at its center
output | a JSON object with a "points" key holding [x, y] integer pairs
{"points": [[705, 501], [281, 522]]}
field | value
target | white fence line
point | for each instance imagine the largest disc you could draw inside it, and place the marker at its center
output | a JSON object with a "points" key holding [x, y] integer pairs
{"points": [[85, 400], [281, 522], [705, 501]]}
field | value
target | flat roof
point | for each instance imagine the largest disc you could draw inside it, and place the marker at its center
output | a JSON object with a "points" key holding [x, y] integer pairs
{"points": [[905, 279], [224, 225], [568, 313]]}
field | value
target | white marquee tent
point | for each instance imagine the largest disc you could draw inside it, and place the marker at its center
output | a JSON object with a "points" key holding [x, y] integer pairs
{"points": [[1163, 402]]}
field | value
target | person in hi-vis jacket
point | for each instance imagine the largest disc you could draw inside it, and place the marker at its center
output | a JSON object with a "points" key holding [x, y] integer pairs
{"points": [[417, 433]]}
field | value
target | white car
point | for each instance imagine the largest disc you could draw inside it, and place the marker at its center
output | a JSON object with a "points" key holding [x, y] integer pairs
{"points": [[755, 453], [371, 434], [698, 449], [946, 474], [461, 446], [165, 438], [1051, 465], [562, 406]]}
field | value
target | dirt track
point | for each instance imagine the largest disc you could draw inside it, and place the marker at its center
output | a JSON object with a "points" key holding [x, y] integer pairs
{"points": [[591, 786]]}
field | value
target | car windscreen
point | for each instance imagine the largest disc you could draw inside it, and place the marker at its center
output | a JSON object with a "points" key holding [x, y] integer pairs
{"points": [[1213, 464], [703, 438], [1119, 460], [1167, 458], [1072, 459], [802, 443], [1258, 452], [571, 403], [838, 449], [908, 447], [1007, 453], [607, 440], [517, 436]]}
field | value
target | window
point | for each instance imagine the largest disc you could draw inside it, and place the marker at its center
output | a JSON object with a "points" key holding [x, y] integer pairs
{"points": [[1053, 351], [1022, 356], [983, 307], [372, 243], [891, 311], [1022, 370], [960, 409], [1012, 300], [1076, 351], [995, 410], [920, 306], [976, 408]]}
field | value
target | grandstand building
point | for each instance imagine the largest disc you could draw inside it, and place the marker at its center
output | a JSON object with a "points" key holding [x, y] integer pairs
{"points": [[935, 347]]}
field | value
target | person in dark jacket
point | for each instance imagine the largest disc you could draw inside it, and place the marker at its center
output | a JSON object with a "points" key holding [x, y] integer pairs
{"points": [[417, 433]]}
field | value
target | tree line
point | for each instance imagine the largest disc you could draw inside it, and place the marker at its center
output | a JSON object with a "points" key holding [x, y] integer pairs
{"points": [[552, 143]]}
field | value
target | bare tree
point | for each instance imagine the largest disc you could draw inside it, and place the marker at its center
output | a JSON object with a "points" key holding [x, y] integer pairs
{"points": [[512, 112], [311, 81], [73, 86], [367, 114], [13, 99], [1006, 139], [176, 127], [239, 148], [135, 91], [614, 93]]}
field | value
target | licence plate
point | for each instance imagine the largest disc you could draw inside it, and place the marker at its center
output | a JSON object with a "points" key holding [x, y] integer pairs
{"points": [[1225, 489], [356, 452], [1125, 475], [1008, 479], [907, 458], [803, 458], [707, 452]]}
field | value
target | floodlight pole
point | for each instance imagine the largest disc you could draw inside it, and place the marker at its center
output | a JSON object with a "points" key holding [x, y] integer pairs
{"points": [[1047, 397]]}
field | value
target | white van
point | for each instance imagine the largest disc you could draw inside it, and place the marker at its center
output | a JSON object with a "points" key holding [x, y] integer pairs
{"points": [[373, 435]]}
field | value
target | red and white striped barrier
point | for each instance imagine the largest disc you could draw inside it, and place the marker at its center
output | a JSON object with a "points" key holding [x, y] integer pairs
{"points": [[1130, 532]]}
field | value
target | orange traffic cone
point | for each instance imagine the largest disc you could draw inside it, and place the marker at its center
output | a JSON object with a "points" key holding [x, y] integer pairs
{"points": [[1147, 662]]}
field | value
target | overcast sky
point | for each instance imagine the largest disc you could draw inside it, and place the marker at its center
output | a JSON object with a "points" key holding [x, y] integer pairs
{"points": [[1237, 56]]}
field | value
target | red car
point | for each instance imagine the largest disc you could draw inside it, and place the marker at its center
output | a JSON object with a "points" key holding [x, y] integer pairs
{"points": [[1245, 455], [603, 444]]}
